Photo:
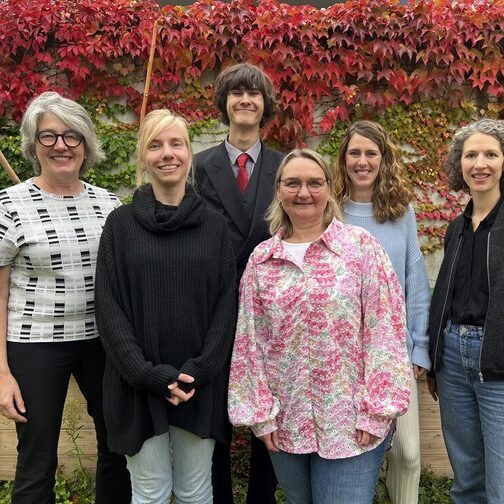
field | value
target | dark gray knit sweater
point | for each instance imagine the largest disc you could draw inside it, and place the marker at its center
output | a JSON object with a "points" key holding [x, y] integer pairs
{"points": [[165, 305]]}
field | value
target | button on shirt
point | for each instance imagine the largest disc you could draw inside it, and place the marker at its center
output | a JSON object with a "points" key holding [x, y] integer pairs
{"points": [[470, 288], [320, 351]]}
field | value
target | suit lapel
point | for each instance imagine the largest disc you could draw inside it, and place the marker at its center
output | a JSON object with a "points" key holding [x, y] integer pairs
{"points": [[221, 175], [265, 192]]}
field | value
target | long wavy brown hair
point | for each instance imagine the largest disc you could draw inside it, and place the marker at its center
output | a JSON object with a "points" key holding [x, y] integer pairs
{"points": [[392, 192]]}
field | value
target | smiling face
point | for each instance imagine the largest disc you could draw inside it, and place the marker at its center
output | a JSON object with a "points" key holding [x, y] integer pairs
{"points": [[245, 107], [58, 163], [167, 160], [482, 163], [303, 207], [362, 160]]}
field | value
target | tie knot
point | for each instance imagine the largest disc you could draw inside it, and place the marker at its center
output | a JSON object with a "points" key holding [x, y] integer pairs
{"points": [[242, 160]]}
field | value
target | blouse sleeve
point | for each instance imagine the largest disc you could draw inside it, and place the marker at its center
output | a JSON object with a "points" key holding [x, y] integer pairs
{"points": [[250, 401], [385, 388], [8, 247], [219, 337], [114, 326], [417, 294]]}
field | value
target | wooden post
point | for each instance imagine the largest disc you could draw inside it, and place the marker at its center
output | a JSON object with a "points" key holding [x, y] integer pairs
{"points": [[8, 169], [149, 70]]}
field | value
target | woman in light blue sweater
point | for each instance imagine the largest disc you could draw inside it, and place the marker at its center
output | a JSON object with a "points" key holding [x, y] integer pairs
{"points": [[371, 185]]}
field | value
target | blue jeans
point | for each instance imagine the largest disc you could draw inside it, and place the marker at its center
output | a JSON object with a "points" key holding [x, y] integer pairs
{"points": [[309, 478], [472, 419], [177, 460]]}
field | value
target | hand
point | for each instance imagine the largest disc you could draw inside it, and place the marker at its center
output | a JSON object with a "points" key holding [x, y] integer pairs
{"points": [[11, 400], [365, 438], [271, 441], [177, 395], [418, 371], [432, 386]]}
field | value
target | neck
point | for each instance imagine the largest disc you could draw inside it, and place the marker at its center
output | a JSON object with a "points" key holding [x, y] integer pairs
{"points": [[306, 232], [169, 195], [364, 196], [483, 204], [64, 187], [243, 138]]}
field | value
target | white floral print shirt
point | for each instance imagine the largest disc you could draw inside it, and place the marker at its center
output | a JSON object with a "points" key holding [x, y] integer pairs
{"points": [[320, 351]]}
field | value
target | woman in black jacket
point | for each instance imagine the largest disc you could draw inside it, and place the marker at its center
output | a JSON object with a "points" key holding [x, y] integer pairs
{"points": [[166, 312], [467, 319]]}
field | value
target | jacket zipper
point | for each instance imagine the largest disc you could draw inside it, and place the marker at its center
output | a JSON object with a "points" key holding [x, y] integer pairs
{"points": [[488, 280], [445, 301]]}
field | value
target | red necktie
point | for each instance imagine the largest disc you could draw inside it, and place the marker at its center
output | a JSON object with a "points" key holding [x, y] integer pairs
{"points": [[242, 177]]}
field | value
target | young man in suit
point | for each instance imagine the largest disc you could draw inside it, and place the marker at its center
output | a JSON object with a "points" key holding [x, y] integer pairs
{"points": [[237, 178]]}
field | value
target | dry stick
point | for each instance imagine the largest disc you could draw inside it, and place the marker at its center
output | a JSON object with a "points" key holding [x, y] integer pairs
{"points": [[8, 169], [149, 70]]}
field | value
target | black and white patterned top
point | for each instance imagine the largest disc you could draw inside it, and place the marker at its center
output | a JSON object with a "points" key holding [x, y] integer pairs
{"points": [[51, 242]]}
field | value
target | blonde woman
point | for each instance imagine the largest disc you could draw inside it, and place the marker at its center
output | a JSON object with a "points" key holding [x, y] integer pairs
{"points": [[166, 311], [319, 367], [371, 185]]}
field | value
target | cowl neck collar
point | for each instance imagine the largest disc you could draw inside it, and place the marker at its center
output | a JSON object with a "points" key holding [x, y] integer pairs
{"points": [[187, 214]]}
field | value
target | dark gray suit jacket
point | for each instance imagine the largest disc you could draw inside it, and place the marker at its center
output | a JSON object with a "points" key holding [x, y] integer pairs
{"points": [[217, 186]]}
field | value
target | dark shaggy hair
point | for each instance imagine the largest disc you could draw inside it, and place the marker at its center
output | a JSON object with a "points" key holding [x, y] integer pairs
{"points": [[244, 75]]}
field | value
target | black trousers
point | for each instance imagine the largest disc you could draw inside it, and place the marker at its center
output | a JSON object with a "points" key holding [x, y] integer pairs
{"points": [[43, 371], [262, 480]]}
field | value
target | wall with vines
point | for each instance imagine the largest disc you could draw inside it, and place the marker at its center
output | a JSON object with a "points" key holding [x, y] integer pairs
{"points": [[421, 69]]}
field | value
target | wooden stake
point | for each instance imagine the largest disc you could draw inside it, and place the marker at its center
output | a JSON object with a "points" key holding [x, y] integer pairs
{"points": [[149, 70], [8, 169]]}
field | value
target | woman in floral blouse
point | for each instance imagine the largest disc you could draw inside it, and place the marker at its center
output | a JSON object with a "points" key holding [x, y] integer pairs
{"points": [[319, 368]]}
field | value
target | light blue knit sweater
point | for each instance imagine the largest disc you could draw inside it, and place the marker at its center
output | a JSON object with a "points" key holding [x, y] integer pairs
{"points": [[399, 239]]}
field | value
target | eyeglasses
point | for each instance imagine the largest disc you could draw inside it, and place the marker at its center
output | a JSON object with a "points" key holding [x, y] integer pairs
{"points": [[293, 186], [71, 139]]}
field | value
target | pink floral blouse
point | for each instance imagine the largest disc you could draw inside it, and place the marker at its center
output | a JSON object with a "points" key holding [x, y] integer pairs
{"points": [[320, 351]]}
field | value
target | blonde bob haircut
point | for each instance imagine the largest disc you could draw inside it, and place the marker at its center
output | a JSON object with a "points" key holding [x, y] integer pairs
{"points": [[392, 192], [153, 124], [277, 218]]}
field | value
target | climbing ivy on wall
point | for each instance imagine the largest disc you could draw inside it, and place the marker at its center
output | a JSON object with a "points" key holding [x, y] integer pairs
{"points": [[421, 69]]}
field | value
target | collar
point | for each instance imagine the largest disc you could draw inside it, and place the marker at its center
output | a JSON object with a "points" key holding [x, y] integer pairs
{"points": [[489, 220], [331, 239], [356, 209], [233, 152]]}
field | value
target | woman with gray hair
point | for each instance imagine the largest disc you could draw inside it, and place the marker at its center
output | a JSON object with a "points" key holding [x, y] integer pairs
{"points": [[467, 319], [50, 226], [319, 368]]}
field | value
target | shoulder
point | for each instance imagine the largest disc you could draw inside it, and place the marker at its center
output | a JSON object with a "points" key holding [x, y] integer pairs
{"points": [[348, 235], [205, 155], [272, 153], [455, 226], [102, 194]]}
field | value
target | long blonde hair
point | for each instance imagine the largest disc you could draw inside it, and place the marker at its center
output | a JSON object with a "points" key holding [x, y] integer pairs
{"points": [[392, 192], [277, 218]]}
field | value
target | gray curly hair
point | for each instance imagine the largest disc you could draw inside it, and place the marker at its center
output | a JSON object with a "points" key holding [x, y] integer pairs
{"points": [[453, 168]]}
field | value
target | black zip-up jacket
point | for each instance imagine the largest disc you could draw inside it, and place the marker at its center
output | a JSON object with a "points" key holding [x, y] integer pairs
{"points": [[492, 349]]}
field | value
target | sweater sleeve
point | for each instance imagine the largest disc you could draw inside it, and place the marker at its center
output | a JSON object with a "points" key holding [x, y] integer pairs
{"points": [[219, 336], [114, 323], [250, 401], [385, 388], [417, 296]]}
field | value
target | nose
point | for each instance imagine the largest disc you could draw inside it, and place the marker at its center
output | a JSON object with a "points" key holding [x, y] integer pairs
{"points": [[362, 161], [303, 191], [245, 97], [167, 152], [59, 143], [479, 162]]}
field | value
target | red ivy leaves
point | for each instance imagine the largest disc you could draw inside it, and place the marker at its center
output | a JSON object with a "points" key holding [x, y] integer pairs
{"points": [[372, 53]]}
